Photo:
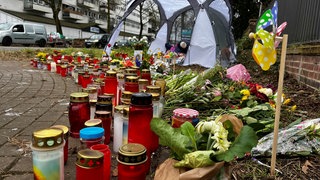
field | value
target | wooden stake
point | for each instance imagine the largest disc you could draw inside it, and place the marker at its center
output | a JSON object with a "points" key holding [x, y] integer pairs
{"points": [[278, 103]]}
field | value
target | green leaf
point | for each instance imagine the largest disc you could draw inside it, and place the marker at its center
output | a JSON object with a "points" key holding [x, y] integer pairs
{"points": [[196, 159], [189, 130], [217, 98], [229, 127], [294, 123], [246, 140], [170, 137]]}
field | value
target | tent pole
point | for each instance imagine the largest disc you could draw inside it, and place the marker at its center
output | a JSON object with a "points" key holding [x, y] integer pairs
{"points": [[278, 103]]}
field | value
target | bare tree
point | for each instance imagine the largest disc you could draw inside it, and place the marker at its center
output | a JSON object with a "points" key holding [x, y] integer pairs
{"points": [[55, 5]]}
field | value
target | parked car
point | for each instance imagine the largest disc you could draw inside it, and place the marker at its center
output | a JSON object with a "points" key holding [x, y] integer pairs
{"points": [[22, 33], [122, 42], [97, 40]]}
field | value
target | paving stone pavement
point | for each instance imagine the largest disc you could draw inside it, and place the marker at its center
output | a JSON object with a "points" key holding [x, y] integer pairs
{"points": [[30, 100]]}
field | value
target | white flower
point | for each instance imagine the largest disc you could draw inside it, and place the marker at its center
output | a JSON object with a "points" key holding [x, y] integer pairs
{"points": [[267, 91]]}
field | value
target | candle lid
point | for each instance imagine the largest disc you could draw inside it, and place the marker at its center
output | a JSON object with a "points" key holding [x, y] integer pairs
{"points": [[88, 158], [93, 123], [79, 97], [126, 95], [47, 138], [120, 76], [119, 108], [141, 99], [130, 70], [64, 128], [185, 113], [132, 79], [111, 73], [104, 99], [153, 89], [91, 132], [132, 154], [155, 96], [89, 90], [145, 71], [102, 114], [143, 81]]}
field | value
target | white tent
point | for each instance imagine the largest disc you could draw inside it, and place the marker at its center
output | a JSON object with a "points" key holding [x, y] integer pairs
{"points": [[210, 34]]}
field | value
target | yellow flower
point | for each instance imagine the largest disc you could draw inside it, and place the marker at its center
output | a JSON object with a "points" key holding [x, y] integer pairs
{"points": [[287, 101], [245, 92], [244, 98], [293, 108]]}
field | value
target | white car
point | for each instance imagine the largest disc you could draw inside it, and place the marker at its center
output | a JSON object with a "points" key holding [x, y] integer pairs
{"points": [[22, 33]]}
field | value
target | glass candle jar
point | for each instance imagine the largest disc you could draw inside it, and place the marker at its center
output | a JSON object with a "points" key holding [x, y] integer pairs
{"points": [[132, 162], [125, 125], [120, 79], [156, 104], [145, 74], [58, 68], [140, 115], [47, 154], [130, 71], [106, 119], [89, 165], [80, 77], [106, 159], [65, 130], [113, 101], [181, 115], [93, 123], [143, 83], [111, 82], [53, 66], [86, 79], [49, 66], [63, 70], [117, 127], [131, 84], [90, 136], [79, 112], [92, 109]]}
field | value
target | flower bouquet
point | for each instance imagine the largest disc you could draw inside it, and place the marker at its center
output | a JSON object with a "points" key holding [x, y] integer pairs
{"points": [[206, 146]]}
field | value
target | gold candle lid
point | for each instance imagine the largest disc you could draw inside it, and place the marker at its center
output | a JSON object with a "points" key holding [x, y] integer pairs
{"points": [[153, 89], [47, 138], [126, 94], [145, 71], [102, 114], [64, 128], [79, 97], [119, 108], [143, 81], [111, 73], [109, 94], [132, 154], [126, 111], [88, 158], [120, 76], [104, 99], [133, 79], [93, 123], [155, 96], [89, 90]]}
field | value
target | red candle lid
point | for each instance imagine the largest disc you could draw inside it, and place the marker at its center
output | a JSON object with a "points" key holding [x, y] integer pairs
{"points": [[186, 113]]}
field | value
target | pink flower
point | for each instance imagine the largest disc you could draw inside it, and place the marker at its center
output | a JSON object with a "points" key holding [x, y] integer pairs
{"points": [[217, 93]]}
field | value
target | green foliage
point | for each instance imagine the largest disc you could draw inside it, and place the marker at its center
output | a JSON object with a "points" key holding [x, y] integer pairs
{"points": [[246, 140], [170, 137]]}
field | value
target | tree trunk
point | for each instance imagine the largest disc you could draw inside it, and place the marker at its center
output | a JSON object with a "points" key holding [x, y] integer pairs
{"points": [[141, 23], [57, 22]]}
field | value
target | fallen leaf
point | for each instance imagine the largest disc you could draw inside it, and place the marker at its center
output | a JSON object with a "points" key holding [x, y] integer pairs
{"points": [[305, 167]]}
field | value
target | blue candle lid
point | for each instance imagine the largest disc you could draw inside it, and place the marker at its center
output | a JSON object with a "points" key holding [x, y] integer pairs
{"points": [[91, 132]]}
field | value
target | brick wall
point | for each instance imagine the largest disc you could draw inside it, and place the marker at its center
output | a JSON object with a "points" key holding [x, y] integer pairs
{"points": [[303, 64]]}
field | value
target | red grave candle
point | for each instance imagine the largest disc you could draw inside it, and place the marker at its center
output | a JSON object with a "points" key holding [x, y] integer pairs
{"points": [[107, 159], [89, 165]]}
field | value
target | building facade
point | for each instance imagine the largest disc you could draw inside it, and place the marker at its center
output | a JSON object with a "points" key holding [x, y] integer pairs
{"points": [[79, 18]]}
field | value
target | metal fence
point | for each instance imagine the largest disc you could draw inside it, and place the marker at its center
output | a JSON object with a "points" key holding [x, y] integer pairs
{"points": [[303, 17]]}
